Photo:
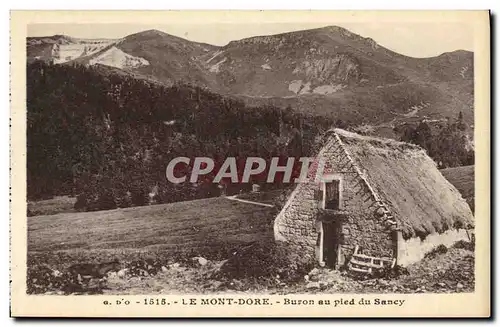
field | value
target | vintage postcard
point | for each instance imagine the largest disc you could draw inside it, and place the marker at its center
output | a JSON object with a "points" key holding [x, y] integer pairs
{"points": [[250, 164]]}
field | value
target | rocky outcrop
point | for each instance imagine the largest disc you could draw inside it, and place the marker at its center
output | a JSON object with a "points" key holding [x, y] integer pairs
{"points": [[115, 57], [339, 68]]}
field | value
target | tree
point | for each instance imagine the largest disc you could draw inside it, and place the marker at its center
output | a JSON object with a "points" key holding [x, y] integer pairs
{"points": [[448, 145]]}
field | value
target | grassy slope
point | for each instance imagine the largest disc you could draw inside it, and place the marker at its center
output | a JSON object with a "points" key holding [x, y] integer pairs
{"points": [[463, 179], [205, 226]]}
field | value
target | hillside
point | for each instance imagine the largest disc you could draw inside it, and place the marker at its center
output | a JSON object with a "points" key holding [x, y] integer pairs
{"points": [[113, 135], [332, 71], [463, 179], [328, 71]]}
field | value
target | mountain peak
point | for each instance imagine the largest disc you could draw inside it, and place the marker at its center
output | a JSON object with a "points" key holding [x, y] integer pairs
{"points": [[325, 33], [149, 33], [153, 32], [334, 28], [158, 36]]}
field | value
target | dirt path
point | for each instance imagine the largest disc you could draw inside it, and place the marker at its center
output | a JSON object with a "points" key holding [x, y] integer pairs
{"points": [[234, 198]]}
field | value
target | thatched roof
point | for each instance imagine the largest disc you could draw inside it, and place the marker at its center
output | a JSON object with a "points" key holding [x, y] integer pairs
{"points": [[409, 183]]}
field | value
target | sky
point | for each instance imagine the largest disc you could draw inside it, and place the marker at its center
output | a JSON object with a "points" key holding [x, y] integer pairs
{"points": [[415, 39]]}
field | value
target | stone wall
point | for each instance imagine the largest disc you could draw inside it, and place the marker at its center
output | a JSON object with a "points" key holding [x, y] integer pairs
{"points": [[363, 226], [297, 223], [414, 249]]}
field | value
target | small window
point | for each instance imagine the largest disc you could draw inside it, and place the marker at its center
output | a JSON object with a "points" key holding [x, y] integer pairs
{"points": [[332, 195]]}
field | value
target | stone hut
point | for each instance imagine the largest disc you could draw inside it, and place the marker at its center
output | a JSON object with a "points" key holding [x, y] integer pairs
{"points": [[379, 197]]}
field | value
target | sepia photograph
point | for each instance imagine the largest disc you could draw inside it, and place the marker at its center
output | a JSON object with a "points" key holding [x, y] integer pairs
{"points": [[232, 163]]}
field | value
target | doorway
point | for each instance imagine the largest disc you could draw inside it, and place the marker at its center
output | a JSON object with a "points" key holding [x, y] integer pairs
{"points": [[331, 243]]}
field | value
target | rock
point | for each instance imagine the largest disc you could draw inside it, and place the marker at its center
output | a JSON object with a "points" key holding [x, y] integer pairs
{"points": [[331, 280], [383, 282], [164, 269], [312, 285], [56, 273], [460, 286], [216, 284], [122, 273], [314, 272], [442, 284], [201, 261], [236, 285], [323, 283]]}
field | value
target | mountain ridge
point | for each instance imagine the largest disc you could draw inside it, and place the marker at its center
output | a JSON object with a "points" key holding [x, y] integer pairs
{"points": [[61, 37], [327, 70]]}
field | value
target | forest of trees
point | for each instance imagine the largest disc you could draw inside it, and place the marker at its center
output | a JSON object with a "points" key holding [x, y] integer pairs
{"points": [[447, 143], [107, 138]]}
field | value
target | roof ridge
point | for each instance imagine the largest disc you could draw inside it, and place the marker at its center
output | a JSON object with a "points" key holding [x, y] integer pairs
{"points": [[377, 139], [387, 213]]}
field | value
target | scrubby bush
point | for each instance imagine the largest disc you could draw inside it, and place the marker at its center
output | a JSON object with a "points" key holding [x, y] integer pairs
{"points": [[124, 200], [390, 273], [464, 245], [440, 249], [42, 279], [81, 202], [264, 260], [105, 201], [139, 196], [147, 267], [89, 201]]}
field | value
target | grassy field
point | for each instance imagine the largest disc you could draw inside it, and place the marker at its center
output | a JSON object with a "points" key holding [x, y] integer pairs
{"points": [[463, 179], [202, 227]]}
